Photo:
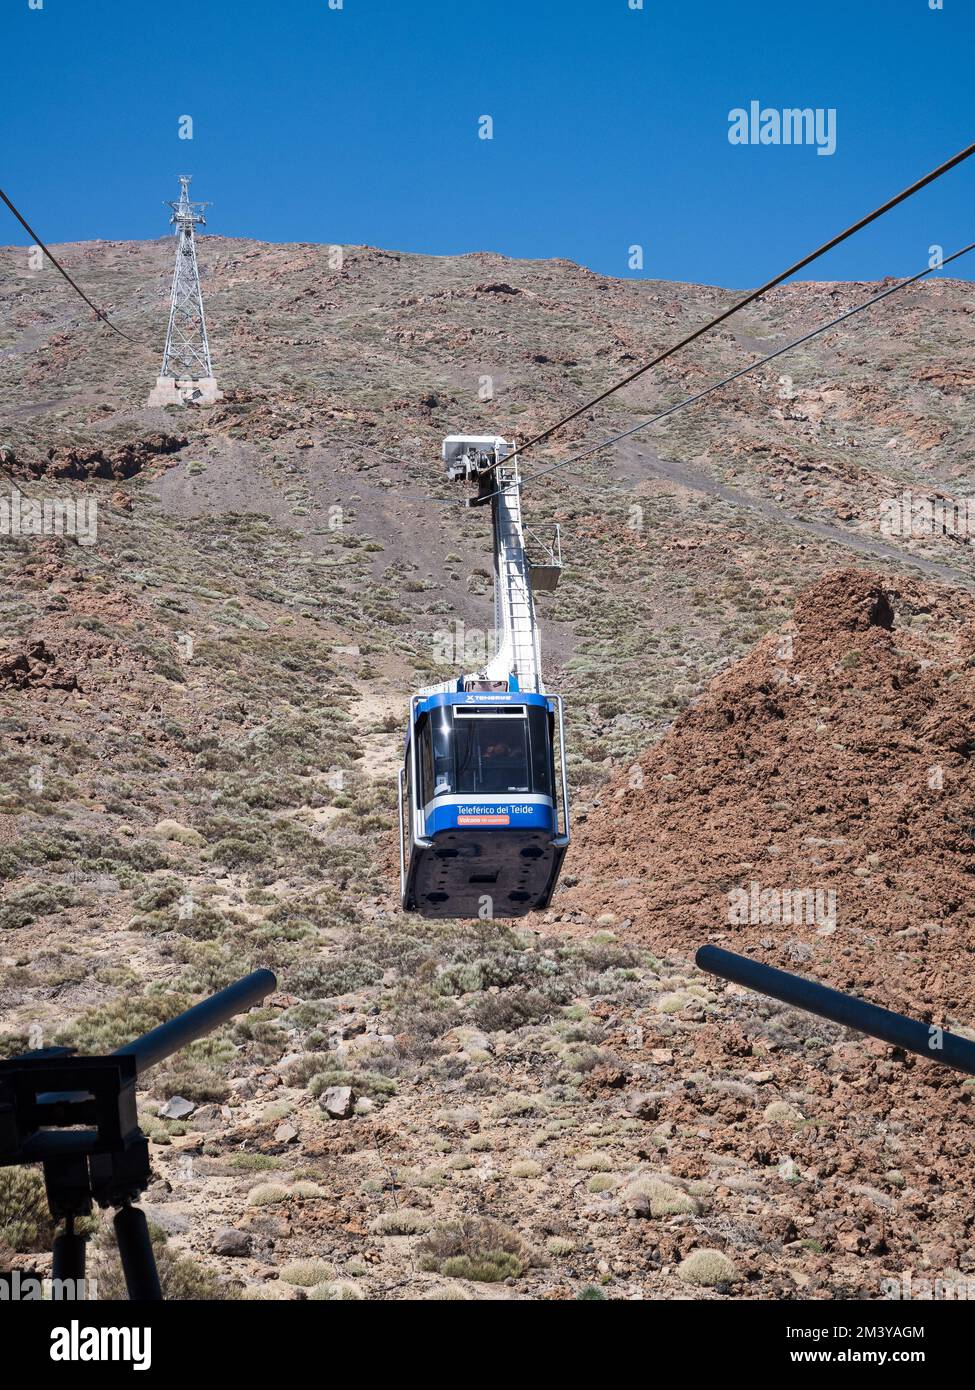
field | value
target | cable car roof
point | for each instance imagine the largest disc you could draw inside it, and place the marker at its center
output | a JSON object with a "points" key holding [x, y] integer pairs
{"points": [[482, 698]]}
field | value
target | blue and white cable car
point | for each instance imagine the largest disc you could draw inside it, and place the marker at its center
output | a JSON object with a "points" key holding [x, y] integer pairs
{"points": [[483, 792]]}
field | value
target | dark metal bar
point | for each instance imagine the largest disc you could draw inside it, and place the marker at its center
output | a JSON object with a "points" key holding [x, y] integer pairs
{"points": [[925, 1039], [69, 1253], [196, 1022], [136, 1255]]}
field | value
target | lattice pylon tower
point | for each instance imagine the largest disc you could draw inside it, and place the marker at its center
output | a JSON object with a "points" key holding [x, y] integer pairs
{"points": [[187, 373]]}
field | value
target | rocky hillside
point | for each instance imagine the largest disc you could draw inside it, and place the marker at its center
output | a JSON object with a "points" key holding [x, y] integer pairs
{"points": [[834, 760], [202, 709]]}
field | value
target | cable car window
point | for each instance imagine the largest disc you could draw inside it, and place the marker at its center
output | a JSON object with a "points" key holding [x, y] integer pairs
{"points": [[543, 765], [492, 755], [465, 752], [426, 758], [436, 752], [443, 751]]}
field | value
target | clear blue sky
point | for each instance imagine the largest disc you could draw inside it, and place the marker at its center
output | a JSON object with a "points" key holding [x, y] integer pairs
{"points": [[610, 126]]}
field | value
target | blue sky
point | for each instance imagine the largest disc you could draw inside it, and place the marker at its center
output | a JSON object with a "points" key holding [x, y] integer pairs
{"points": [[360, 124]]}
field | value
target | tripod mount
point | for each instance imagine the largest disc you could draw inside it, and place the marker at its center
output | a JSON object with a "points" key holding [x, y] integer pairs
{"points": [[77, 1116]]}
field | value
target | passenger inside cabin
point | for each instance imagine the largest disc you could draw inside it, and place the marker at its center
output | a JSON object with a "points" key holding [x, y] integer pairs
{"points": [[502, 767]]}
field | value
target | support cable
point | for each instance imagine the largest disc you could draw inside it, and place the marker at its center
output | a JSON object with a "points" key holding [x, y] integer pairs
{"points": [[58, 266], [753, 295], [744, 371]]}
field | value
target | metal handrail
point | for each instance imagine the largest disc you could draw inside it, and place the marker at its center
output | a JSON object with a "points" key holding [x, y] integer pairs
{"points": [[927, 1040]]}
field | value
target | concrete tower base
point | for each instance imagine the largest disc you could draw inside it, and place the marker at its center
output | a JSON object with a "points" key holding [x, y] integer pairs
{"points": [[169, 391]]}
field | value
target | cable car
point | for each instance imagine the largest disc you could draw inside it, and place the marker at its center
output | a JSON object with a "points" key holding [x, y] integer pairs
{"points": [[480, 831], [483, 792]]}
